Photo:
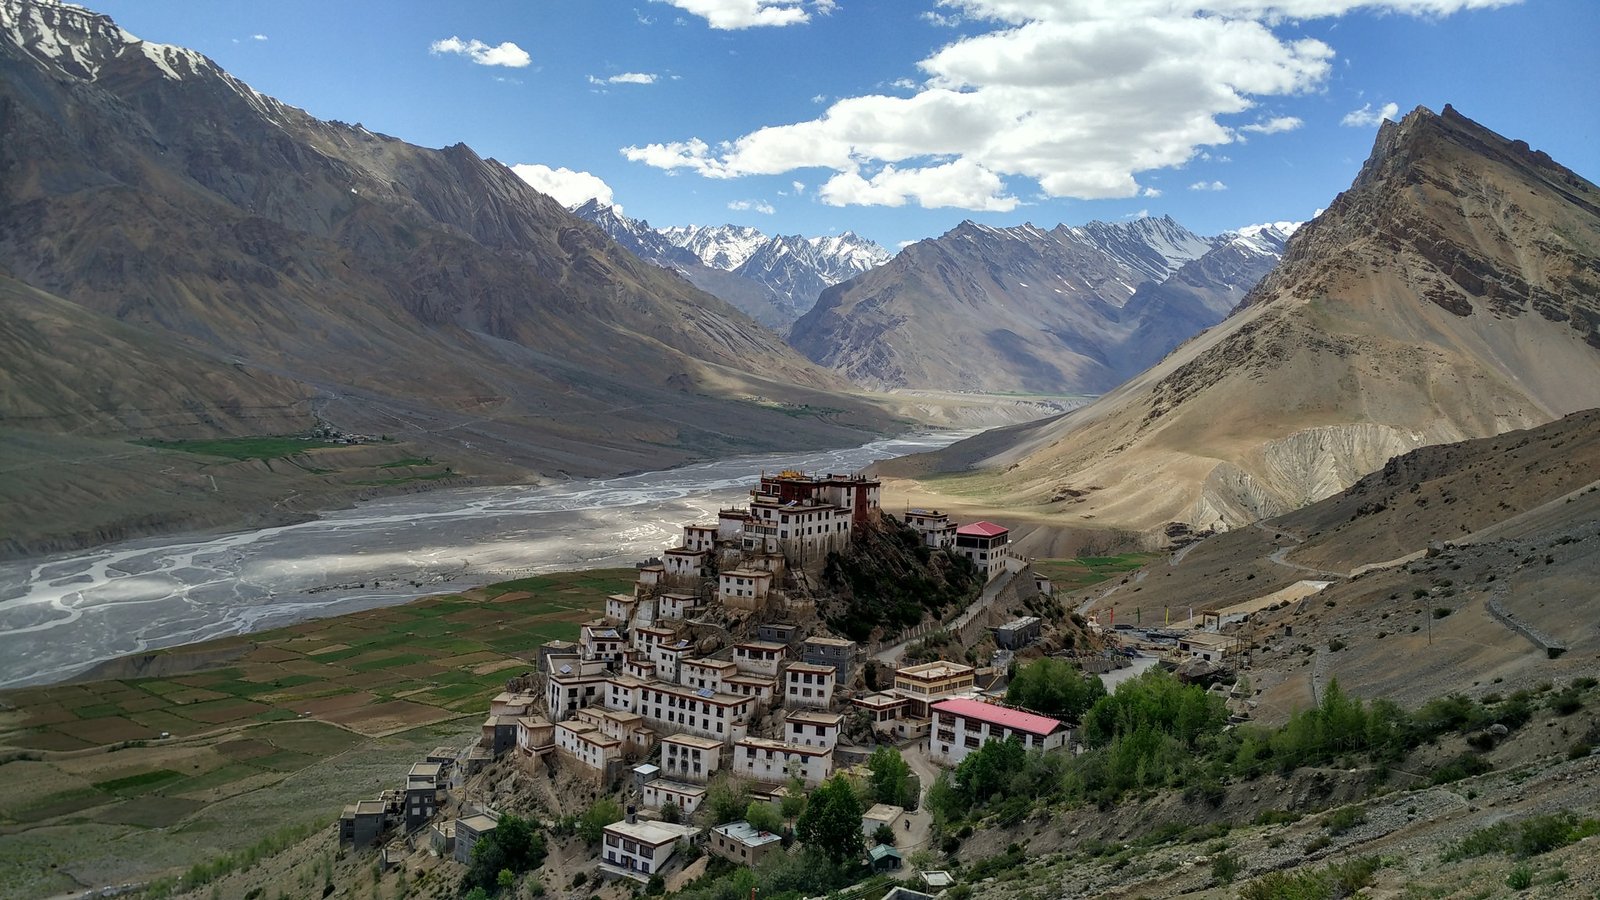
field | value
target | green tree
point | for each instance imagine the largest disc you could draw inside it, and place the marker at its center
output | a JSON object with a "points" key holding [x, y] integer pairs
{"points": [[1054, 687], [832, 821], [603, 812], [507, 881], [670, 812], [794, 798], [726, 799], [762, 816], [891, 778], [515, 845], [883, 835]]}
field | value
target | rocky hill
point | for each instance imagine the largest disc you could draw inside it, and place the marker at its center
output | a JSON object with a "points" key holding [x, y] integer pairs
{"points": [[1452, 292], [283, 268], [1068, 310], [774, 280]]}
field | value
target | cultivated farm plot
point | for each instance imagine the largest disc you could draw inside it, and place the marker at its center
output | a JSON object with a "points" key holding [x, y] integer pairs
{"points": [[1069, 575], [290, 699]]}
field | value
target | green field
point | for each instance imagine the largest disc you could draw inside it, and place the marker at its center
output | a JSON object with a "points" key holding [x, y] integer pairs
{"points": [[270, 447], [285, 700], [1069, 575]]}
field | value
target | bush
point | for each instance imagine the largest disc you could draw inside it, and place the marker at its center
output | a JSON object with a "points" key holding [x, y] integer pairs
{"points": [[1440, 612], [1530, 837], [1342, 820], [1521, 878], [1342, 879], [1566, 702], [1464, 766], [1225, 867]]}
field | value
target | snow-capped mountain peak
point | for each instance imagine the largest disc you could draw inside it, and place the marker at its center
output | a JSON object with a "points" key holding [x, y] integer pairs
{"points": [[724, 247], [1149, 246], [1267, 238]]}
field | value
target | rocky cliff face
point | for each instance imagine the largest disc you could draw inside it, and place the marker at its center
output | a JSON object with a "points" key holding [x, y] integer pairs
{"points": [[1452, 292], [407, 289], [1068, 310]]}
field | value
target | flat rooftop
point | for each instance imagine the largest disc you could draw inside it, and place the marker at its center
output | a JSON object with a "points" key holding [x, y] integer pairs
{"points": [[747, 834], [653, 833]]}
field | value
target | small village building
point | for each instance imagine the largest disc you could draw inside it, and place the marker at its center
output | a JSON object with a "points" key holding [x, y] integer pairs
{"points": [[687, 797], [731, 524], [443, 755], [669, 656], [627, 727], [690, 757], [706, 673], [757, 687], [1041, 583], [588, 746], [468, 830], [885, 711], [743, 844], [442, 838], [536, 735], [830, 651], [812, 728], [962, 725], [602, 642], [700, 537], [884, 858], [652, 575], [620, 609], [1205, 645], [568, 691], [808, 684], [926, 683], [549, 649], [745, 589], [880, 815], [362, 823], [770, 761], [1018, 633], [678, 605], [499, 735], [646, 637], [784, 633], [857, 494], [638, 849], [640, 666], [985, 543], [671, 708], [513, 704], [804, 531], [938, 532], [687, 566], [423, 783], [759, 657]]}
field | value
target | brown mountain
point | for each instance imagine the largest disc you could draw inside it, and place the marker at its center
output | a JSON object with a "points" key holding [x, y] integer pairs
{"points": [[300, 266], [1452, 292], [1068, 310]]}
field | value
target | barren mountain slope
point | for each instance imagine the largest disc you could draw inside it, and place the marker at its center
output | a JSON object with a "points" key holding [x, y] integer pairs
{"points": [[1452, 292], [410, 289]]}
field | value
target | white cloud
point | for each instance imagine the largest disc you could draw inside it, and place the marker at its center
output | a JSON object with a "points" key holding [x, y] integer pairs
{"points": [[758, 206], [940, 20], [819, 98], [1149, 192], [626, 78], [258, 37], [569, 188], [1208, 186], [904, 84], [505, 54], [1366, 116], [799, 186], [1079, 97], [1141, 214], [1274, 125], [732, 15]]}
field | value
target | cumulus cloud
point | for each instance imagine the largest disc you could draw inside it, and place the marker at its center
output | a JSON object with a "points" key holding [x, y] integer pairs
{"points": [[799, 186], [1274, 125], [569, 188], [258, 37], [1077, 97], [1149, 192], [626, 78], [505, 54], [758, 206], [1366, 116], [1208, 186], [733, 15], [940, 20]]}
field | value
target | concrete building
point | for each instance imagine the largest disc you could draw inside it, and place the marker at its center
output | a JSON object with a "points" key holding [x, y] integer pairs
{"points": [[1018, 633], [568, 691], [808, 684], [620, 609], [679, 606], [640, 666], [744, 588], [705, 673], [880, 815], [805, 532], [938, 532], [783, 633], [513, 704], [812, 728], [536, 735], [759, 688], [672, 708], [423, 785], [830, 651], [926, 683], [669, 656], [1205, 645], [856, 494], [689, 757], [886, 711], [584, 744], [652, 576], [985, 543], [743, 844], [601, 642], [776, 761], [686, 567], [759, 657], [687, 797], [700, 537], [363, 823], [636, 850], [627, 727], [468, 830], [550, 649], [962, 725], [499, 735]]}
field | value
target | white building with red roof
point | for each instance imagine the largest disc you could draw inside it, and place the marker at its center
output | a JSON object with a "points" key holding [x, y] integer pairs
{"points": [[962, 725], [985, 543]]}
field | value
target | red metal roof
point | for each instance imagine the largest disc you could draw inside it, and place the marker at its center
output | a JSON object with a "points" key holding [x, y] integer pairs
{"points": [[1014, 719], [983, 529]]}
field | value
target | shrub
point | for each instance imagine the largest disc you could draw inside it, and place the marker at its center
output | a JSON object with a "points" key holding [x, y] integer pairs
{"points": [[1529, 837], [1464, 766], [1342, 820], [1521, 878], [1341, 879], [1440, 612], [1225, 867]]}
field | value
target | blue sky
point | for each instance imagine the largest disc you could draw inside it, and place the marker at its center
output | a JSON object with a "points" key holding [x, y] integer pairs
{"points": [[899, 118]]}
